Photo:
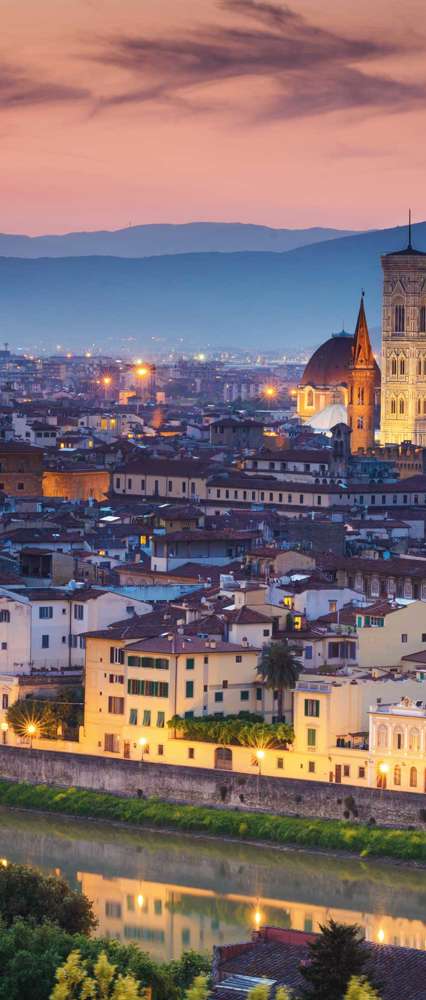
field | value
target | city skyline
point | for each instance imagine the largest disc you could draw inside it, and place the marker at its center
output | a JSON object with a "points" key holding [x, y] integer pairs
{"points": [[238, 110]]}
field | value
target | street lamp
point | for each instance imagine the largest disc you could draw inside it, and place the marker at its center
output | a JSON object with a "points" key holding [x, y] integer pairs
{"points": [[4, 729], [383, 771], [257, 918], [31, 732], [143, 743]]}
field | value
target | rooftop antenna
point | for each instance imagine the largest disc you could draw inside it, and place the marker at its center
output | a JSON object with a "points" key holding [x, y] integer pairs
{"points": [[410, 245]]}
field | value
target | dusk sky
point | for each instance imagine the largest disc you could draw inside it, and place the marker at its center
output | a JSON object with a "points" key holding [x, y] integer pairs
{"points": [[131, 111]]}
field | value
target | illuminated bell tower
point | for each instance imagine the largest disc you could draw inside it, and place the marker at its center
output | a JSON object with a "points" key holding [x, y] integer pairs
{"points": [[362, 386], [403, 406]]}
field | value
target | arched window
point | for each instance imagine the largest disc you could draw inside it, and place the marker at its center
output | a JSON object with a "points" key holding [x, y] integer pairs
{"points": [[4, 616], [424, 404], [413, 777], [382, 737], [310, 397], [414, 740], [424, 366], [422, 319], [419, 406], [398, 738], [360, 396], [402, 366], [419, 366], [393, 366], [360, 423], [401, 406], [399, 319], [393, 405], [397, 775], [223, 759]]}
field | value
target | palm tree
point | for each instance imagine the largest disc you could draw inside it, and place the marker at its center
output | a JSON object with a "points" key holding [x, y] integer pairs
{"points": [[279, 669]]}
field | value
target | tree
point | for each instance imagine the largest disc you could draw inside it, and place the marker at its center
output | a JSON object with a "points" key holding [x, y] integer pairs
{"points": [[73, 981], [259, 992], [338, 954], [50, 717], [280, 670], [26, 892], [30, 955], [360, 989], [199, 989]]}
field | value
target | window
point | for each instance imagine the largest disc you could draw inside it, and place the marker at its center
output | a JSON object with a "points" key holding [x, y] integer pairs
{"points": [[133, 717], [301, 498], [312, 737], [116, 679], [148, 689], [402, 366], [280, 763], [413, 777], [346, 771], [397, 775], [393, 366], [79, 612], [414, 740], [401, 406], [360, 423], [4, 616], [361, 772], [205, 660], [160, 750], [266, 632], [161, 719], [404, 637], [45, 612], [244, 695], [224, 685], [20, 486], [45, 642], [116, 655], [115, 705], [258, 694], [423, 635], [111, 743], [399, 319], [238, 659], [191, 753], [190, 663], [393, 406], [5, 701], [146, 721], [333, 650], [382, 737], [398, 739], [311, 766], [312, 707], [4, 645], [308, 652], [189, 689], [218, 696], [422, 319]]}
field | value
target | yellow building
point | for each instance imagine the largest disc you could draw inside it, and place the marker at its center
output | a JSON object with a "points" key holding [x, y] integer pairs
{"points": [[398, 746]]}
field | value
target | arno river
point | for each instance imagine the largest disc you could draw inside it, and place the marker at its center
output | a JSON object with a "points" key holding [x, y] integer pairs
{"points": [[169, 893]]}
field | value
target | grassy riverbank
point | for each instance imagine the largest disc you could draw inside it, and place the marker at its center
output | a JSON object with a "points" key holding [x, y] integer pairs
{"points": [[332, 835]]}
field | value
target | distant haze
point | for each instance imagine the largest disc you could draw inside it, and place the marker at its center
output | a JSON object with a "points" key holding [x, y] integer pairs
{"points": [[258, 300]]}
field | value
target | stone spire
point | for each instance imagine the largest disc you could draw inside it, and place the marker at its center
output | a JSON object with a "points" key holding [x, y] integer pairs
{"points": [[362, 354]]}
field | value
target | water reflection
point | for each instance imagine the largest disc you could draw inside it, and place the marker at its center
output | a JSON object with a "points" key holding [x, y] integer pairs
{"points": [[168, 893]]}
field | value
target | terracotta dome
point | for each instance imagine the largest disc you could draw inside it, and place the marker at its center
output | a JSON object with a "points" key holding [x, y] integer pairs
{"points": [[330, 363]]}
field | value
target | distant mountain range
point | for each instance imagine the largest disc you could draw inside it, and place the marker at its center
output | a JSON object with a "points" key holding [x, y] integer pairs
{"points": [[262, 300], [155, 240]]}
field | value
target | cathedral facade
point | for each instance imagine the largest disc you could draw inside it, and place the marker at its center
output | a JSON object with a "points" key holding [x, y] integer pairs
{"points": [[403, 394]]}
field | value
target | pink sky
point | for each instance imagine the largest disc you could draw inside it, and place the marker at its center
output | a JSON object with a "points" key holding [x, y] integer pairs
{"points": [[118, 111]]}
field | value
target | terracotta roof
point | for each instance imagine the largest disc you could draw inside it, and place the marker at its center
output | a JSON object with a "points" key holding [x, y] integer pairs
{"points": [[247, 616], [185, 644], [277, 954]]}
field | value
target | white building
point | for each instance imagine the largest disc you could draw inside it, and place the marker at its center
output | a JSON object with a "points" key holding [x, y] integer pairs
{"points": [[45, 628]]}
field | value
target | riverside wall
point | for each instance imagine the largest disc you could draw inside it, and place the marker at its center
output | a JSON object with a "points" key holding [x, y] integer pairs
{"points": [[200, 786]]}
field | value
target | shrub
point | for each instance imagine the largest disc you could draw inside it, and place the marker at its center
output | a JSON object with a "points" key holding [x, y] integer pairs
{"points": [[27, 893]]}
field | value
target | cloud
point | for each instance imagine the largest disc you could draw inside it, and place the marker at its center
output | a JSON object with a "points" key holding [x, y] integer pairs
{"points": [[309, 70], [19, 90]]}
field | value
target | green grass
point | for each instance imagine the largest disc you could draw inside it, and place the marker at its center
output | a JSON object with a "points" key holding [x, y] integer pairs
{"points": [[332, 835]]}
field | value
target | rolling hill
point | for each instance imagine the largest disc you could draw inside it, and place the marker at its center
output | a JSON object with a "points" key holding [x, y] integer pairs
{"points": [[272, 300]]}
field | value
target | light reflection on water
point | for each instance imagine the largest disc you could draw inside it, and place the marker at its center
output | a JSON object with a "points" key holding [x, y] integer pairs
{"points": [[169, 893]]}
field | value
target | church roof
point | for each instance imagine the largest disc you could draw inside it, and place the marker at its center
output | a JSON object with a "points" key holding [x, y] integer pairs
{"points": [[362, 354], [330, 363]]}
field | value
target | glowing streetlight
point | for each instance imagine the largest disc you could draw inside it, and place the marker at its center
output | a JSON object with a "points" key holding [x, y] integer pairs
{"points": [[140, 900], [142, 371], [143, 744], [270, 391], [383, 771], [384, 768], [4, 862], [107, 380], [31, 732], [380, 935], [257, 918]]}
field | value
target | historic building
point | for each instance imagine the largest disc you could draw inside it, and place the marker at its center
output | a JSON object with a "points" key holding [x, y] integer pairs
{"points": [[340, 382], [403, 406]]}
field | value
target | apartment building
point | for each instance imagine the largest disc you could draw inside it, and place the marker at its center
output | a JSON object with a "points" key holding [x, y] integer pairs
{"points": [[45, 628], [398, 744], [134, 687]]}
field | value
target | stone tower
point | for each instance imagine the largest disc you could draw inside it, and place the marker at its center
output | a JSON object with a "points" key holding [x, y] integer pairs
{"points": [[362, 386], [403, 405]]}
